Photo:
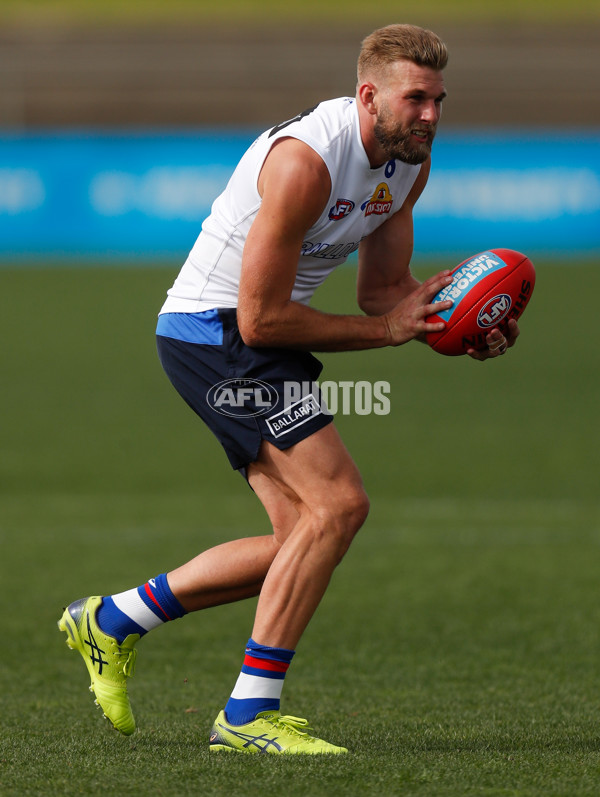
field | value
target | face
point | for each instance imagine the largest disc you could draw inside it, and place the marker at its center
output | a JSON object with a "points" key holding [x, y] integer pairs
{"points": [[409, 106]]}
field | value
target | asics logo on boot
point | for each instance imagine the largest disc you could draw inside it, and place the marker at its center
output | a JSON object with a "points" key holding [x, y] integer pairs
{"points": [[262, 742], [95, 651]]}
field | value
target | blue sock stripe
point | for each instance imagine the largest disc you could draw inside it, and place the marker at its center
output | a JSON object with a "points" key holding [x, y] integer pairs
{"points": [[239, 712], [154, 602], [168, 607], [150, 603], [263, 652], [167, 599], [278, 676]]}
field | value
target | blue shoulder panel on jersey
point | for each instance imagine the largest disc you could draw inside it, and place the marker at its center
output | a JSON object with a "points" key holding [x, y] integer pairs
{"points": [[192, 327]]}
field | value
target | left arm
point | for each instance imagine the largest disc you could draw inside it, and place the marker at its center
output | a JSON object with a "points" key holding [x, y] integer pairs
{"points": [[384, 276]]}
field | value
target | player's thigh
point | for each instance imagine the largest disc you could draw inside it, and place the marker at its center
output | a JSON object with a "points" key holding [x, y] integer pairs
{"points": [[317, 473]]}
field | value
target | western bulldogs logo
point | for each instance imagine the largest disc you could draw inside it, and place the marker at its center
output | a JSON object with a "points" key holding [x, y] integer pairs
{"points": [[380, 202], [341, 209]]}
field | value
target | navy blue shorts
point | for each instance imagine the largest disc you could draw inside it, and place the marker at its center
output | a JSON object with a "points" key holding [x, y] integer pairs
{"points": [[245, 395]]}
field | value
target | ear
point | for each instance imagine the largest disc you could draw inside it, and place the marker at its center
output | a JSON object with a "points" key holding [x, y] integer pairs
{"points": [[367, 93]]}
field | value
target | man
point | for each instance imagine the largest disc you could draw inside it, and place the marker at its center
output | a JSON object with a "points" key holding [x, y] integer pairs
{"points": [[342, 176]]}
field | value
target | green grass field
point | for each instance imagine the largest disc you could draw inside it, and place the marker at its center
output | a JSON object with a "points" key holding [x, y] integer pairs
{"points": [[456, 652]]}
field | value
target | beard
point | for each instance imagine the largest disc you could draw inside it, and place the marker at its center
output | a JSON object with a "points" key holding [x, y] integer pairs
{"points": [[398, 143]]}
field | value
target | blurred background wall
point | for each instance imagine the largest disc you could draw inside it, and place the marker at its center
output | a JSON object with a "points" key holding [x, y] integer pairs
{"points": [[119, 123], [519, 74]]}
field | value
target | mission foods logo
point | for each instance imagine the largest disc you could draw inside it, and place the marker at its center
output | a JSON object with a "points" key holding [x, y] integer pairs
{"points": [[242, 397], [380, 202]]}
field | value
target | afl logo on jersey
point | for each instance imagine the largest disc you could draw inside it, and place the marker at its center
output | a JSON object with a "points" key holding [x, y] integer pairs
{"points": [[341, 209], [380, 202]]}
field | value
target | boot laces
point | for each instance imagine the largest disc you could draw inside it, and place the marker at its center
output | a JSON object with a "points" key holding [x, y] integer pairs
{"points": [[295, 725], [125, 659]]}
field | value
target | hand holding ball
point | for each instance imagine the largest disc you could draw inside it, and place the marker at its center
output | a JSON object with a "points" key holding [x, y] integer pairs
{"points": [[487, 290]]}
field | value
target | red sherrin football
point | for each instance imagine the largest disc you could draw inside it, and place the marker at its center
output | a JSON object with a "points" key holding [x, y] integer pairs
{"points": [[488, 289]]}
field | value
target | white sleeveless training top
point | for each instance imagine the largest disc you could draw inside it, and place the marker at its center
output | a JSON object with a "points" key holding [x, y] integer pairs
{"points": [[361, 200]]}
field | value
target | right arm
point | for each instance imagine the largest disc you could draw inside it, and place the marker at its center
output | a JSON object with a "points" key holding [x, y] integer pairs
{"points": [[295, 185]]}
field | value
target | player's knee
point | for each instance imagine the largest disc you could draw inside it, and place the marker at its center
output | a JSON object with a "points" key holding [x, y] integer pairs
{"points": [[357, 509], [343, 515]]}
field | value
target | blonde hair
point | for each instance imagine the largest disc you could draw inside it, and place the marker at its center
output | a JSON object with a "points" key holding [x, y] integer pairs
{"points": [[401, 42]]}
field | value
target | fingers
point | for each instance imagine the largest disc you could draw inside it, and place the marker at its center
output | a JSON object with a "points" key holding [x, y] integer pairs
{"points": [[435, 284], [407, 319], [429, 289], [513, 332], [498, 344], [430, 309]]}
